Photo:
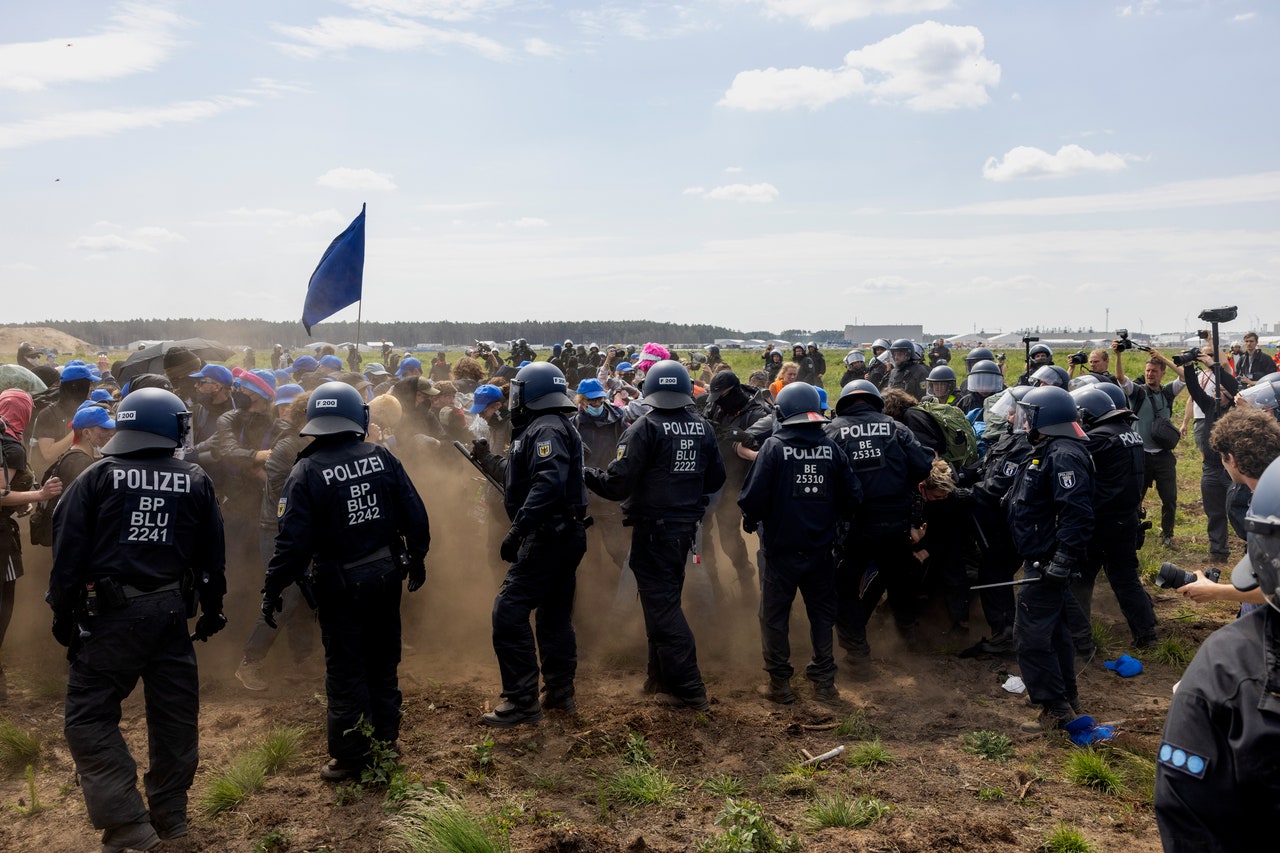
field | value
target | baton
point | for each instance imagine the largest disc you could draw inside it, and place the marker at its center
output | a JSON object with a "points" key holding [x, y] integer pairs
{"points": [[1021, 582], [463, 450]]}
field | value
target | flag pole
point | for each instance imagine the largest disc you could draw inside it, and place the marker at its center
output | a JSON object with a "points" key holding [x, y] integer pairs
{"points": [[359, 312]]}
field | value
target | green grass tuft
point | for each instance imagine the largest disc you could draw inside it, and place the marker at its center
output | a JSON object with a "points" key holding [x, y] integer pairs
{"points": [[870, 755], [640, 785], [1064, 839], [1172, 651], [1089, 768], [990, 746], [840, 811], [856, 726], [746, 830], [1139, 773], [18, 747], [280, 747], [724, 785], [636, 751], [1104, 639], [991, 795], [240, 781], [431, 822]]}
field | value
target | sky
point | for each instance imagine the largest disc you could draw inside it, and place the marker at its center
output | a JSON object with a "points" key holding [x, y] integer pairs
{"points": [[757, 164]]}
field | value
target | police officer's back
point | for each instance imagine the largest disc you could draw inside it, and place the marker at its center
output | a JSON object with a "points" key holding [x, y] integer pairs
{"points": [[137, 539]]}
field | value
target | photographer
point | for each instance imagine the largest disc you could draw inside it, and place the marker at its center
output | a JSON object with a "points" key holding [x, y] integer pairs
{"points": [[1097, 361], [1153, 404], [1251, 365], [1214, 479]]}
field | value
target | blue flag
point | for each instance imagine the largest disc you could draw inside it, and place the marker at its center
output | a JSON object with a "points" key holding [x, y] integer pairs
{"points": [[339, 277]]}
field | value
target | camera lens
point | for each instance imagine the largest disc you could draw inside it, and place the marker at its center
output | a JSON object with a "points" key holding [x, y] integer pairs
{"points": [[1172, 577]]}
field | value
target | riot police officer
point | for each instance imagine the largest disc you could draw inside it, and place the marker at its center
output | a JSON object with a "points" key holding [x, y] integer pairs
{"points": [[855, 367], [1038, 356], [134, 535], [889, 462], [983, 380], [1216, 765], [908, 372], [349, 507], [546, 501], [878, 367], [1117, 454], [667, 465], [1050, 513], [799, 488]]}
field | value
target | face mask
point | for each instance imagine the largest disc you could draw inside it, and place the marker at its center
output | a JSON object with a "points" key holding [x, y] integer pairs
{"points": [[241, 399], [595, 410]]}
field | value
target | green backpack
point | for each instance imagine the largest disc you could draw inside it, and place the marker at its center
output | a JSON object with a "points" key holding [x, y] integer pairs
{"points": [[962, 441]]}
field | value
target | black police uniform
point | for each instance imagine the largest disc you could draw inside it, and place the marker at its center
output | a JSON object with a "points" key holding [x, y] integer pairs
{"points": [[546, 501], [798, 490], [667, 465], [998, 558], [1050, 513], [350, 507], [1117, 454], [877, 373], [134, 525], [1218, 766], [889, 463], [747, 410], [808, 370], [910, 377]]}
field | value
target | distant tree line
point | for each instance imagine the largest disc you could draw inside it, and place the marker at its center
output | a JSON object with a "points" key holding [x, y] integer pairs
{"points": [[116, 334]]}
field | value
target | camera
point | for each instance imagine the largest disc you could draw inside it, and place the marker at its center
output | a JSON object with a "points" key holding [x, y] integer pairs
{"points": [[1081, 357], [1184, 358], [1172, 577], [1029, 339], [1123, 343], [1218, 315]]}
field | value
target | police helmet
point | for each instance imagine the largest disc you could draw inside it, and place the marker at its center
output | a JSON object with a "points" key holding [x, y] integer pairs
{"points": [[1261, 395], [879, 344], [799, 403], [1040, 354], [985, 377], [1049, 410], [854, 357], [667, 385], [521, 342], [1050, 374], [918, 349], [539, 387], [943, 376], [1116, 393], [902, 345], [1261, 565], [1007, 404], [568, 344], [149, 418], [858, 391], [1082, 381], [336, 407], [1092, 405], [810, 345], [978, 354], [797, 346]]}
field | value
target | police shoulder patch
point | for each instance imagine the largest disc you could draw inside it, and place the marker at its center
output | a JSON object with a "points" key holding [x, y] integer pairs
{"points": [[1067, 479], [544, 449], [1182, 760], [280, 507], [622, 451]]}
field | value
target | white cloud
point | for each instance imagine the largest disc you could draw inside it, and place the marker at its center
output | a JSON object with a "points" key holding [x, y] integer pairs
{"points": [[733, 170], [343, 178], [143, 239], [1070, 160], [929, 66], [267, 88], [91, 123], [1242, 189], [539, 47], [138, 39], [822, 14], [529, 222], [884, 285], [440, 10], [335, 35], [645, 21], [1142, 7], [742, 193], [1244, 16]]}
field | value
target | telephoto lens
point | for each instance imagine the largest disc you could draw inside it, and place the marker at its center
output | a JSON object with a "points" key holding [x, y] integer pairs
{"points": [[1172, 577]]}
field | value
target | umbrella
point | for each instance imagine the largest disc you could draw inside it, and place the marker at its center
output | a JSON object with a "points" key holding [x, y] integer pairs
{"points": [[151, 359], [17, 376]]}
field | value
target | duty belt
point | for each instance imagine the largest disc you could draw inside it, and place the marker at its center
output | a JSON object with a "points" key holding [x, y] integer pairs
{"points": [[383, 553], [135, 592]]}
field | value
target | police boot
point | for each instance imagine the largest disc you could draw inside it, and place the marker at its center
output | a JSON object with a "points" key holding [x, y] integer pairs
{"points": [[340, 771], [779, 690], [859, 663], [511, 713], [826, 692], [559, 700], [129, 836]]}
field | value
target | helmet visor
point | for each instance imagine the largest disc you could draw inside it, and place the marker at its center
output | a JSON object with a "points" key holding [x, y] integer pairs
{"points": [[1261, 396], [985, 383]]}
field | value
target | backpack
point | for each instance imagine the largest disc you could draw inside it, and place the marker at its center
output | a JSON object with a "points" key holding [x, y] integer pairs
{"points": [[41, 521], [962, 441], [39, 402]]}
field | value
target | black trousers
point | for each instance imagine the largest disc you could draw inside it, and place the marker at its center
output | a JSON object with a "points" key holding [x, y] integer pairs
{"points": [[658, 554], [146, 639], [884, 560], [1161, 468], [1043, 643], [359, 613], [1113, 550], [998, 562], [813, 574], [540, 582]]}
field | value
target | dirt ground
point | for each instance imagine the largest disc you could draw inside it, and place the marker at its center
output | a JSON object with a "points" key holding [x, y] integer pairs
{"points": [[546, 783]]}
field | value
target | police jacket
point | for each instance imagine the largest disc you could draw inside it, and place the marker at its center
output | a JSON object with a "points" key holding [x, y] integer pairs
{"points": [[910, 378], [667, 464], [849, 375], [1000, 467], [757, 409], [141, 519], [1050, 505], [1218, 766], [887, 460], [877, 373], [967, 400], [345, 500], [799, 488], [543, 472], [1118, 463], [819, 362], [808, 371]]}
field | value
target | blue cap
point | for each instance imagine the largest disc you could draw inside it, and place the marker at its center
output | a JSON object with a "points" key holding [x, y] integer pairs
{"points": [[591, 389], [331, 361], [485, 394], [822, 397], [283, 377], [72, 372], [624, 367], [410, 363], [288, 392], [304, 364], [100, 395], [92, 415], [525, 363], [216, 372]]}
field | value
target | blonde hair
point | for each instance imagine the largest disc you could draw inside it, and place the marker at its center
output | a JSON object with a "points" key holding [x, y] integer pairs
{"points": [[385, 411], [940, 478]]}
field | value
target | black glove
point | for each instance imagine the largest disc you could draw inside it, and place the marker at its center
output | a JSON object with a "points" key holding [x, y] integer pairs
{"points": [[64, 628], [1059, 570], [209, 624], [510, 550], [417, 573], [749, 526], [480, 449], [272, 604]]}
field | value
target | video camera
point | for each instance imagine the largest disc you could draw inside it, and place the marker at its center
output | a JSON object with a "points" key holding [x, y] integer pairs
{"points": [[1218, 315], [1172, 577], [1123, 343], [1029, 339]]}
